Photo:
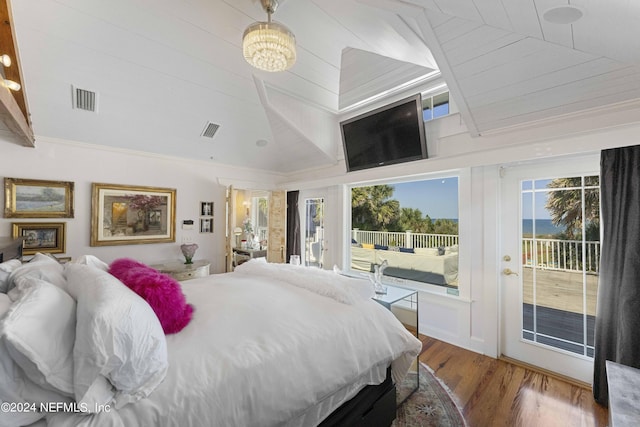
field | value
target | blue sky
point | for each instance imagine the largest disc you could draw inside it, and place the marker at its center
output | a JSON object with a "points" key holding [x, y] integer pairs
{"points": [[540, 198], [437, 197]]}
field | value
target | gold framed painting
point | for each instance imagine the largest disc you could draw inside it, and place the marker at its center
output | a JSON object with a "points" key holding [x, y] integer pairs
{"points": [[128, 215], [35, 198], [49, 237]]}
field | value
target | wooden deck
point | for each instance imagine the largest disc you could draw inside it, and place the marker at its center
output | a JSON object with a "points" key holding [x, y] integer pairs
{"points": [[561, 290]]}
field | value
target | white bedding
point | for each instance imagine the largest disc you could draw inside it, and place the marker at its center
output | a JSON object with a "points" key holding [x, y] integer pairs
{"points": [[264, 353]]}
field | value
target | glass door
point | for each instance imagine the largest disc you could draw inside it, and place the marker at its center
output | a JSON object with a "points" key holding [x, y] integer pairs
{"points": [[550, 262], [314, 232]]}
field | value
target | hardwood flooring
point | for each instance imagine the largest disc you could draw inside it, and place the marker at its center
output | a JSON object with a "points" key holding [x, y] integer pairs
{"points": [[496, 393]]}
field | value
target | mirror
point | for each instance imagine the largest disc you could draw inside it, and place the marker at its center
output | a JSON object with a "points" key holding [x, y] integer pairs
{"points": [[248, 225]]}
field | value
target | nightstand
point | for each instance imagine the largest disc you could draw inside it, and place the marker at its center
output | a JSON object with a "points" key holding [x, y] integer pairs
{"points": [[403, 303], [181, 271], [244, 255]]}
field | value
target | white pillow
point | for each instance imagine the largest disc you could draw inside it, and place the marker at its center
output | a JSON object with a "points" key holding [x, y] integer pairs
{"points": [[5, 303], [41, 267], [92, 261], [39, 332], [118, 338], [18, 388], [5, 270]]}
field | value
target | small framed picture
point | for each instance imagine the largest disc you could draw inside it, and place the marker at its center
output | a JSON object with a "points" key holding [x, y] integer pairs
{"points": [[206, 208], [206, 225], [48, 237]]}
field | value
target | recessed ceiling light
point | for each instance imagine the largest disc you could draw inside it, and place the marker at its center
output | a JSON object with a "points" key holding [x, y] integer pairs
{"points": [[262, 142], [566, 14]]}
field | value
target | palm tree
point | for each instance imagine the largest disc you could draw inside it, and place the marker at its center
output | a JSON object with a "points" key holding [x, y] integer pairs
{"points": [[372, 208], [412, 219], [565, 206]]}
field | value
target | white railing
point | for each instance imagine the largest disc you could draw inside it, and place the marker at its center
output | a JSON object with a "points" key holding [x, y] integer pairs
{"points": [[553, 254], [566, 255], [405, 239]]}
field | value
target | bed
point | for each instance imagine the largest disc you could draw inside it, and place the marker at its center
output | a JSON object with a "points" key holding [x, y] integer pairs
{"points": [[266, 345]]}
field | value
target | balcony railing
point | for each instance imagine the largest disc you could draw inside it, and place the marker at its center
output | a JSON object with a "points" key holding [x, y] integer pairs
{"points": [[565, 255], [405, 239], [553, 254]]}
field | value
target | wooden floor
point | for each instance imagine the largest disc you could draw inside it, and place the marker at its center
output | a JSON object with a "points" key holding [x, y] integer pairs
{"points": [[495, 393]]}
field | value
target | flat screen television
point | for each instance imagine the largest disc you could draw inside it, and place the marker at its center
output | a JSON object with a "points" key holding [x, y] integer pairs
{"points": [[384, 136]]}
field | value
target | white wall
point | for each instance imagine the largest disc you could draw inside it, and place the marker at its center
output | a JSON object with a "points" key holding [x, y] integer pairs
{"points": [[84, 163]]}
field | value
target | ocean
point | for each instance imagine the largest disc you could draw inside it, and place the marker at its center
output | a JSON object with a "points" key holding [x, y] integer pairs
{"points": [[544, 227]]}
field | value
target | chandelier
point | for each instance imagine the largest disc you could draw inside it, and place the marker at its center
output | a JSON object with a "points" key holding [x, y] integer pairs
{"points": [[269, 46]]}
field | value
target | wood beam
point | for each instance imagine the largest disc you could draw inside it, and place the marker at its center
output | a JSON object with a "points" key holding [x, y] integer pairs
{"points": [[13, 105]]}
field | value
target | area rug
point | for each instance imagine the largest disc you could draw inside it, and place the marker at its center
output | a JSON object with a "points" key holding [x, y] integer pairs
{"points": [[429, 406]]}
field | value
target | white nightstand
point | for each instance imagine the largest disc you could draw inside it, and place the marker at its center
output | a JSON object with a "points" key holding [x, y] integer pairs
{"points": [[181, 271]]}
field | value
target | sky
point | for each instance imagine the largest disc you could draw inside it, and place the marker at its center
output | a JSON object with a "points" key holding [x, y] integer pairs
{"points": [[437, 198], [540, 195]]}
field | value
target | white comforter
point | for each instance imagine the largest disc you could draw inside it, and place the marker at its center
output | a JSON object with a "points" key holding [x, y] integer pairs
{"points": [[261, 352]]}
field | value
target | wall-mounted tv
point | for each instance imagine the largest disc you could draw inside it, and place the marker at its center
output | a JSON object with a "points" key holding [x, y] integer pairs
{"points": [[387, 135]]}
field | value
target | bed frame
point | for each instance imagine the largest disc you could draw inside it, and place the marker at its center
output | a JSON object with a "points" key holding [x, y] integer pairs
{"points": [[373, 406]]}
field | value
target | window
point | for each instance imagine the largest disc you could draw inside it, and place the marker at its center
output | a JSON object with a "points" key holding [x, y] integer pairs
{"points": [[314, 232], [412, 225], [435, 106]]}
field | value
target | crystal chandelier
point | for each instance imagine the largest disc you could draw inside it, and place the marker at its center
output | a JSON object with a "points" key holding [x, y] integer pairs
{"points": [[269, 46]]}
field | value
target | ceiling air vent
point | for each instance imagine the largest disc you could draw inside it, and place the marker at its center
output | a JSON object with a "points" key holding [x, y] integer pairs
{"points": [[84, 99], [210, 129]]}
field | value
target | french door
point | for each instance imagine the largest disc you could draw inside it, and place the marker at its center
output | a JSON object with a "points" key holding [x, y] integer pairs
{"points": [[314, 232], [550, 252]]}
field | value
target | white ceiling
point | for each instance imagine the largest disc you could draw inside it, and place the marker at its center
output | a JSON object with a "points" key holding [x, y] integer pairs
{"points": [[164, 69]]}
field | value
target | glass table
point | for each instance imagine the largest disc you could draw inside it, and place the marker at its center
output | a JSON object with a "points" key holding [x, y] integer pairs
{"points": [[403, 303]]}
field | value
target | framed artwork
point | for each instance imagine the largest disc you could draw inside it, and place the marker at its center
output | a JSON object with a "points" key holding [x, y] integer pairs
{"points": [[48, 237], [206, 225], [127, 215], [34, 198], [206, 208]]}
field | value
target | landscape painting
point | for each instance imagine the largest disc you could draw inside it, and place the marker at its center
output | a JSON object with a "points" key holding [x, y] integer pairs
{"points": [[32, 198]]}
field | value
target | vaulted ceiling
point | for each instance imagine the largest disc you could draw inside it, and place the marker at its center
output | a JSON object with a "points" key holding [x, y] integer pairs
{"points": [[163, 70]]}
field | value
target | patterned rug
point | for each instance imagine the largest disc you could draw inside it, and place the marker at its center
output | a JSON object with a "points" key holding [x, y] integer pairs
{"points": [[430, 405]]}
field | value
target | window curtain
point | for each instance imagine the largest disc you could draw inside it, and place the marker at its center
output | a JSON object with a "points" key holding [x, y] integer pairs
{"points": [[617, 333], [293, 224]]}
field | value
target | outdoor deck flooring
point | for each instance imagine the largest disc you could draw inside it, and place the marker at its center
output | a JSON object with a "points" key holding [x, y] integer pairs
{"points": [[560, 290]]}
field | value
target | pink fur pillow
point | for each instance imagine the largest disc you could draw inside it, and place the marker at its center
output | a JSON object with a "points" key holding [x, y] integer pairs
{"points": [[162, 292]]}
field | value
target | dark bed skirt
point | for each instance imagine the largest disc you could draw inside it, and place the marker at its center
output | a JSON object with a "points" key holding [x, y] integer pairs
{"points": [[373, 406]]}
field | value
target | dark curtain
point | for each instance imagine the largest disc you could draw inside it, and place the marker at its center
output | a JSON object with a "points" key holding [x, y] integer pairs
{"points": [[293, 225], [617, 334]]}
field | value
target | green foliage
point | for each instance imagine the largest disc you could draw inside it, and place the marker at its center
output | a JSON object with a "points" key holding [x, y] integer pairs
{"points": [[373, 209], [565, 207]]}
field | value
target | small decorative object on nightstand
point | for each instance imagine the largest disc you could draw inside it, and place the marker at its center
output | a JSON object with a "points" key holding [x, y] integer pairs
{"points": [[181, 271], [188, 250]]}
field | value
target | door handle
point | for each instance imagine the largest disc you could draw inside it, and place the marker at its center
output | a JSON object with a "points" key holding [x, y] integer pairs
{"points": [[508, 272]]}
